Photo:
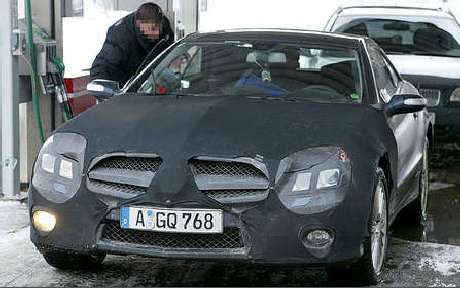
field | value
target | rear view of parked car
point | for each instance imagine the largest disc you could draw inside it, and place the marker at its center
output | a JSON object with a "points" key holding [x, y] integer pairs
{"points": [[424, 44]]}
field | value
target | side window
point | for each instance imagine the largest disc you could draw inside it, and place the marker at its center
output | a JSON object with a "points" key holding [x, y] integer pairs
{"points": [[393, 73], [384, 79], [186, 63], [194, 65]]}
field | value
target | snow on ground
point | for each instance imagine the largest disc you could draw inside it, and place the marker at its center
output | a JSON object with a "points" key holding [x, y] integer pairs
{"points": [[10, 204], [422, 264], [445, 260]]}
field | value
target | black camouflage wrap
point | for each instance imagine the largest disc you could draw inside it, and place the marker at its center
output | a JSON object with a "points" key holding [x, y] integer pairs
{"points": [[181, 128]]}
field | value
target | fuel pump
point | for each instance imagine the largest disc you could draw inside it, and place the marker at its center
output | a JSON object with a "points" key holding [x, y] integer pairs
{"points": [[55, 86], [49, 70]]}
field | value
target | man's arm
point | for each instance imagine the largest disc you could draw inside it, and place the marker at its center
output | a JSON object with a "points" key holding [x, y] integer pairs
{"points": [[110, 62]]}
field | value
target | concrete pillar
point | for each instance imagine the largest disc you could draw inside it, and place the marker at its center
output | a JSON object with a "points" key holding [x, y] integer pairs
{"points": [[9, 179], [42, 14], [187, 14]]}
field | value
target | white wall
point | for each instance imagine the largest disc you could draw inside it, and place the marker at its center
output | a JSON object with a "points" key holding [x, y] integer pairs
{"points": [[297, 14], [83, 36]]}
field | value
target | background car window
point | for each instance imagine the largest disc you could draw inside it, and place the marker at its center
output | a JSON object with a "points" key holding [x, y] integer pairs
{"points": [[259, 69], [402, 36], [383, 77]]}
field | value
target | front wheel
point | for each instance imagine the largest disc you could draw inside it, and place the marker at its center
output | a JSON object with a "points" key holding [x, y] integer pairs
{"points": [[417, 210], [65, 260], [368, 270]]}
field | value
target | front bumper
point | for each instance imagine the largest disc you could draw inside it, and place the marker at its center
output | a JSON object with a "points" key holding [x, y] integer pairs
{"points": [[269, 232]]}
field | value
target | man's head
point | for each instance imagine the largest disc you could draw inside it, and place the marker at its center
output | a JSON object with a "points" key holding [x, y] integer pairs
{"points": [[149, 21]]}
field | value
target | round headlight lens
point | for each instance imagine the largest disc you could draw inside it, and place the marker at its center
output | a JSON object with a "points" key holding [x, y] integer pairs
{"points": [[43, 221]]}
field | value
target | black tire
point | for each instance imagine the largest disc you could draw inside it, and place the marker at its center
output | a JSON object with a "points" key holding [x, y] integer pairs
{"points": [[416, 212], [65, 260], [363, 273]]}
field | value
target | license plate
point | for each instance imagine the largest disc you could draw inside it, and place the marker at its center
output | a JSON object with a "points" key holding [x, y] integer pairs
{"points": [[172, 220]]}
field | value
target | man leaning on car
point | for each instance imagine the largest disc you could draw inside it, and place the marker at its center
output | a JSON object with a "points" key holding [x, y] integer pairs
{"points": [[130, 41]]}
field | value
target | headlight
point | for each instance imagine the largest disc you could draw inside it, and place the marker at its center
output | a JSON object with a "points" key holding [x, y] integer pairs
{"points": [[59, 167], [314, 180], [455, 97], [328, 179]]}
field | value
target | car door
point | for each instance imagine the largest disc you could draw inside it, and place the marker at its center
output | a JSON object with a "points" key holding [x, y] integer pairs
{"points": [[418, 132], [404, 126]]}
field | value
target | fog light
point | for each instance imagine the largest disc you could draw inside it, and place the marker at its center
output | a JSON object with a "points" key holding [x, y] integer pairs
{"points": [[43, 221], [318, 238]]}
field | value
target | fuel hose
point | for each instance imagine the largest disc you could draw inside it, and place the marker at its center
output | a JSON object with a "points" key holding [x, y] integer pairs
{"points": [[33, 76]]}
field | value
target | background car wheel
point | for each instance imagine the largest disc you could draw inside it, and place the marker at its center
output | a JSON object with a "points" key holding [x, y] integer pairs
{"points": [[70, 261], [368, 270], [416, 212], [418, 208]]}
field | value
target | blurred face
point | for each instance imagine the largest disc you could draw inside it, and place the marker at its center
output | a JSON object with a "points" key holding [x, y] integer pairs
{"points": [[149, 29]]}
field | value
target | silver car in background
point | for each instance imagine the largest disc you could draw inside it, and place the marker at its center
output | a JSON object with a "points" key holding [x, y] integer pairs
{"points": [[422, 41]]}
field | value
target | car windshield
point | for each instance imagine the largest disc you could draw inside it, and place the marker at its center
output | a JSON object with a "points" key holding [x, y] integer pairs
{"points": [[406, 37], [265, 69]]}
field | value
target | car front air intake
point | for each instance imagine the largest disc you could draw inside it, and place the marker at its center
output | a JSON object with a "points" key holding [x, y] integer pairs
{"points": [[123, 176], [238, 180]]}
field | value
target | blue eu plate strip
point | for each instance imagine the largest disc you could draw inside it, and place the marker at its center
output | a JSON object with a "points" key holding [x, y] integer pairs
{"points": [[124, 219]]}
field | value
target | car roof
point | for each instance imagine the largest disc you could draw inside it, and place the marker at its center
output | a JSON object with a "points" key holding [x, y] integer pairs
{"points": [[316, 37], [395, 8], [407, 4]]}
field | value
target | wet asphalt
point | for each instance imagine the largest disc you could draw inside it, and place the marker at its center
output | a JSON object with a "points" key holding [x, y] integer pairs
{"points": [[443, 223], [428, 255]]}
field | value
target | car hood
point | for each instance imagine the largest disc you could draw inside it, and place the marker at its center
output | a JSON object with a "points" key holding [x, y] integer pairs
{"points": [[189, 126], [427, 65]]}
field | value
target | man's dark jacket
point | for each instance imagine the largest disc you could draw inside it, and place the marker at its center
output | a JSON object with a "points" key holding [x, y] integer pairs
{"points": [[125, 48]]}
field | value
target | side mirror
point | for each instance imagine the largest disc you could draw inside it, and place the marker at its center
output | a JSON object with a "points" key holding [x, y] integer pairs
{"points": [[405, 103], [103, 89]]}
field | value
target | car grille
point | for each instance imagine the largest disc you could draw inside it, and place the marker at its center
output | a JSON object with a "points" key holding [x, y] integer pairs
{"points": [[115, 183], [130, 163], [230, 181], [225, 168], [231, 196], [96, 185], [230, 239], [433, 96]]}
